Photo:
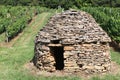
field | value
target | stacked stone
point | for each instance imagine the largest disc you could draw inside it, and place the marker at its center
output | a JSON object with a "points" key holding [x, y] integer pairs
{"points": [[85, 43], [91, 58], [46, 62], [72, 27]]}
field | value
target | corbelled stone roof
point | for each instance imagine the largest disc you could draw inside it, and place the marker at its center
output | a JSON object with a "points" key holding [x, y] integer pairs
{"points": [[72, 27]]}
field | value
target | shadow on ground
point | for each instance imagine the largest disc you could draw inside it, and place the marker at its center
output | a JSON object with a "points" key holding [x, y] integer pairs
{"points": [[115, 46]]}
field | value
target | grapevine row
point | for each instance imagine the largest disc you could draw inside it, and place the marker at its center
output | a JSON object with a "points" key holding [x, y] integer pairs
{"points": [[108, 18], [14, 19]]}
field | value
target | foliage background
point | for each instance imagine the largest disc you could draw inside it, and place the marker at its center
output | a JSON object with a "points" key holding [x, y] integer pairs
{"points": [[62, 3]]}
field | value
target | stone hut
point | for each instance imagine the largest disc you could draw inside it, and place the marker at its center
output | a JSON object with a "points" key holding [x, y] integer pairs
{"points": [[72, 41]]}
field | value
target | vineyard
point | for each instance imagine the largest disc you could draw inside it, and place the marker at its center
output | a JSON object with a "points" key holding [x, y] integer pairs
{"points": [[14, 19], [108, 18]]}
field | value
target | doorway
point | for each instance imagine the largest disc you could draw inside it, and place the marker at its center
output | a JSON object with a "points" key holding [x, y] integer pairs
{"points": [[57, 52]]}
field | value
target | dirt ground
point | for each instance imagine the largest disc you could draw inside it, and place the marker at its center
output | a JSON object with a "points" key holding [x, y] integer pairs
{"points": [[115, 69]]}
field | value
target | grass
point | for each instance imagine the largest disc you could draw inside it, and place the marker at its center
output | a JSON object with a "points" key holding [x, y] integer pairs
{"points": [[2, 37], [13, 59], [115, 56]]}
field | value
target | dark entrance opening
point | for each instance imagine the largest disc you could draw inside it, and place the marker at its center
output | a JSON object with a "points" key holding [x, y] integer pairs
{"points": [[57, 52]]}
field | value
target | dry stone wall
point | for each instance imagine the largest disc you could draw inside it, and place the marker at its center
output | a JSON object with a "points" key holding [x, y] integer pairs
{"points": [[91, 58], [85, 45]]}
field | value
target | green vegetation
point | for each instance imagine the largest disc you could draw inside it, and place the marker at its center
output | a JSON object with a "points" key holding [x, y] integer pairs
{"points": [[2, 37], [14, 58], [14, 19], [66, 4], [15, 15], [115, 57], [109, 19]]}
